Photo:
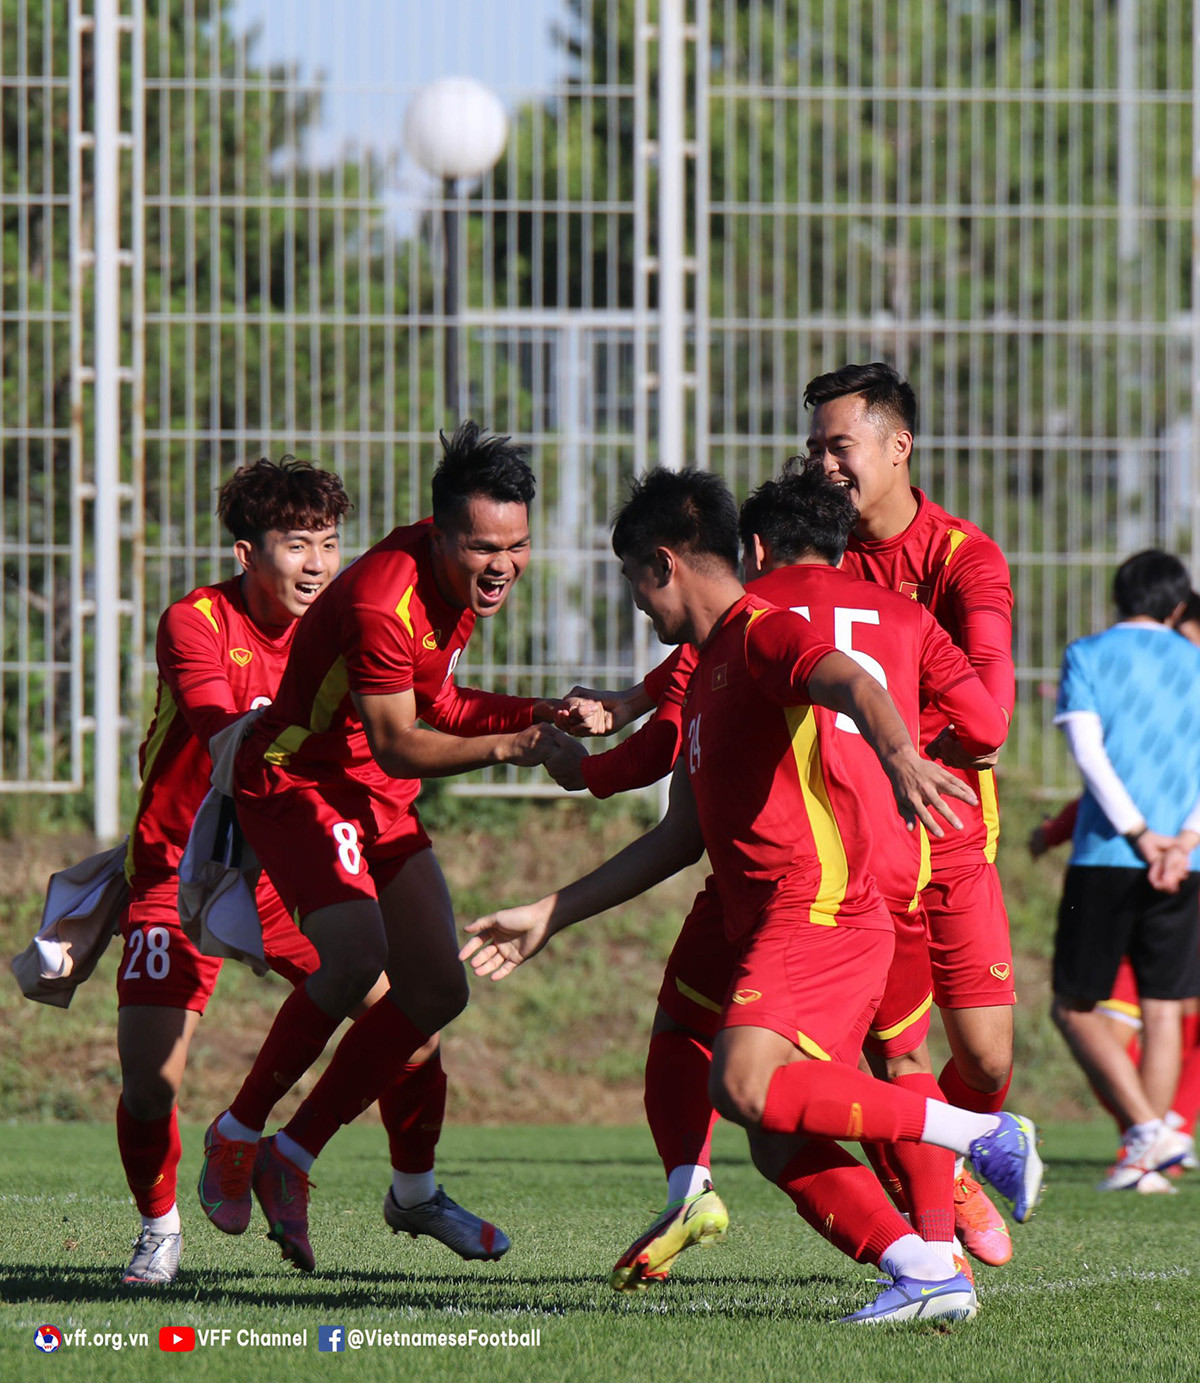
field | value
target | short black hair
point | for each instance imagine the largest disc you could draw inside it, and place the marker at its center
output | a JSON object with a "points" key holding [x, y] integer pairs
{"points": [[286, 495], [475, 464], [1151, 583], [885, 392], [1191, 611], [801, 513], [689, 511]]}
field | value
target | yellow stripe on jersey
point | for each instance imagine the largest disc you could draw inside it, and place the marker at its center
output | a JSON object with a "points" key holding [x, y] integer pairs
{"points": [[831, 852], [696, 997], [330, 695], [205, 606], [884, 1034], [990, 808], [811, 1048], [402, 610], [924, 870], [164, 717], [957, 538], [286, 745], [328, 698]]}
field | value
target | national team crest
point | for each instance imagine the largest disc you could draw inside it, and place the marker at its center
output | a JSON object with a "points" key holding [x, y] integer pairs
{"points": [[241, 656], [720, 677]]}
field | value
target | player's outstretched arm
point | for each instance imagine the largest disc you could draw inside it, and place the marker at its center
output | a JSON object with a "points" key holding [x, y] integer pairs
{"points": [[621, 708], [502, 940], [404, 748], [919, 786]]}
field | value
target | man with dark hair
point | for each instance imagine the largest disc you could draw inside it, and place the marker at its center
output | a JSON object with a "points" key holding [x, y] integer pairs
{"points": [[764, 785], [325, 785], [863, 423], [221, 650], [793, 533], [1129, 704]]}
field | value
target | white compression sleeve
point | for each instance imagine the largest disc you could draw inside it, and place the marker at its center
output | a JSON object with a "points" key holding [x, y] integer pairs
{"points": [[1085, 738]]}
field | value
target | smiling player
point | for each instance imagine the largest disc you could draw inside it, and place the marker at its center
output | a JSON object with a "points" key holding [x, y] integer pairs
{"points": [[221, 651], [863, 423], [326, 785]]}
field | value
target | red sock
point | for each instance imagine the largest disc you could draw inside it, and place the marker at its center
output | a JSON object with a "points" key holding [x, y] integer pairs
{"points": [[150, 1152], [368, 1060], [297, 1037], [841, 1199], [957, 1092], [679, 1111], [1187, 1092], [412, 1109], [885, 1169], [926, 1172], [827, 1099]]}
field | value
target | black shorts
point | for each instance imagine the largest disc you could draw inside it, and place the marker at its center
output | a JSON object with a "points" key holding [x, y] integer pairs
{"points": [[1107, 913]]}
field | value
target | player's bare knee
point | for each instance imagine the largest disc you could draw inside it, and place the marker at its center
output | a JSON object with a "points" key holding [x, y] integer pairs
{"points": [[909, 1064], [987, 1072], [738, 1094], [148, 1097], [439, 1000], [342, 982]]}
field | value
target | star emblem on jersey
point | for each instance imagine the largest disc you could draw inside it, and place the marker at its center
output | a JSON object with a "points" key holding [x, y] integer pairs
{"points": [[915, 592], [747, 996], [1001, 971], [241, 656]]}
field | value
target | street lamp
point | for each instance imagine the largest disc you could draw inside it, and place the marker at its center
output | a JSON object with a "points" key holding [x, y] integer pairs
{"points": [[456, 129]]}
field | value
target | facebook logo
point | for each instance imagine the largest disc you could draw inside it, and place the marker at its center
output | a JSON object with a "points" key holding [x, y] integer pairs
{"points": [[331, 1338]]}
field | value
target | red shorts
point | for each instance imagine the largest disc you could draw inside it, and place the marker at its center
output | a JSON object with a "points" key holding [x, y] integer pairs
{"points": [[969, 947], [701, 961], [161, 967], [817, 986], [340, 842], [901, 1021]]}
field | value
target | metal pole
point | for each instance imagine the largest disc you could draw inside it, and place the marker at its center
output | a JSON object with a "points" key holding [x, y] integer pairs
{"points": [[450, 242], [106, 510], [1135, 498], [671, 248], [1194, 470]]}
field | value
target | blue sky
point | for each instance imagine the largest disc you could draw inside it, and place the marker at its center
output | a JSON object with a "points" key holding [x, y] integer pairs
{"points": [[375, 54]]}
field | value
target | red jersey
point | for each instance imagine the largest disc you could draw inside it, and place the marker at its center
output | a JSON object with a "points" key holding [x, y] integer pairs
{"points": [[382, 627], [779, 809], [959, 574], [214, 664], [648, 754], [907, 651]]}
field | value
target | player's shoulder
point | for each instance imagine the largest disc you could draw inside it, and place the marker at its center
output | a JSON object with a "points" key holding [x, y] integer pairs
{"points": [[956, 541], [396, 559], [214, 607]]}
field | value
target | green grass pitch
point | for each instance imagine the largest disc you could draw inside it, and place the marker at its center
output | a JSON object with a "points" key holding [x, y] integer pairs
{"points": [[1101, 1287]]}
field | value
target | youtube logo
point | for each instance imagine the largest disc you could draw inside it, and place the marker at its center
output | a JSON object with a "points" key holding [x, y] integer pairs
{"points": [[176, 1339]]}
